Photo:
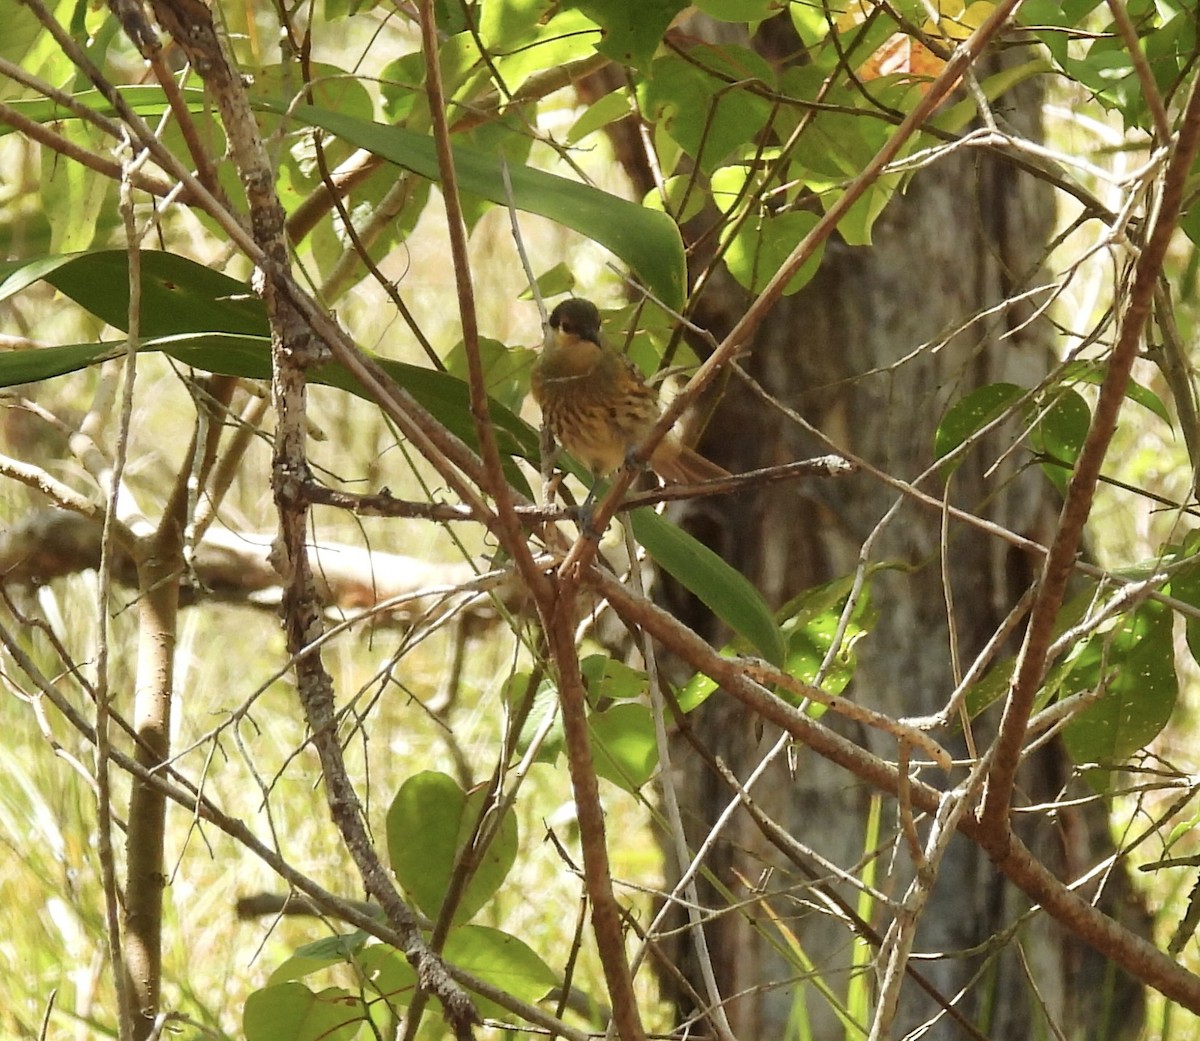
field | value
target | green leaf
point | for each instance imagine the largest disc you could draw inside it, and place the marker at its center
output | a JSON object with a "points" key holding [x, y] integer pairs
{"points": [[504, 961], [178, 295], [1060, 434], [71, 196], [954, 118], [331, 87], [681, 196], [146, 101], [545, 706], [1136, 664], [567, 36], [505, 370], [810, 622], [696, 691], [320, 954], [215, 323], [698, 108], [292, 1012], [762, 244], [1089, 372], [995, 684], [608, 679], [429, 821], [623, 745], [742, 10], [604, 110], [389, 973], [631, 32], [649, 242], [972, 413], [724, 590], [1185, 586], [855, 227]]}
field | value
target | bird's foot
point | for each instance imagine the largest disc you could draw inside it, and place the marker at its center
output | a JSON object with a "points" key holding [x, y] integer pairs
{"points": [[632, 462], [584, 513], [583, 517]]}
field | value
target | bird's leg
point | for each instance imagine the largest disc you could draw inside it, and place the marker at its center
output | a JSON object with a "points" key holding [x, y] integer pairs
{"points": [[632, 462], [583, 512]]}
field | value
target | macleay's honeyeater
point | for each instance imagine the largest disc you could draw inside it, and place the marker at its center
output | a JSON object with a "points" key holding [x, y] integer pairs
{"points": [[597, 406]]}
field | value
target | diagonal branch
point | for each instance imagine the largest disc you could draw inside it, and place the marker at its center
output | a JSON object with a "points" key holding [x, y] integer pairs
{"points": [[1060, 560], [1136, 955]]}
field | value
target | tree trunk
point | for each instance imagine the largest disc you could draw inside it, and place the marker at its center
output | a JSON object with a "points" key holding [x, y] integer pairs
{"points": [[871, 353]]}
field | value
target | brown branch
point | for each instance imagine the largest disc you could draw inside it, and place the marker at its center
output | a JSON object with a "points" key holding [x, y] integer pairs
{"points": [[556, 605], [56, 142], [1150, 94], [1060, 560], [293, 348], [558, 621], [507, 527], [1136, 955]]}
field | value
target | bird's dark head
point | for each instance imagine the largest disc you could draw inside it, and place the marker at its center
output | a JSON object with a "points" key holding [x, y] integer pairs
{"points": [[577, 318]]}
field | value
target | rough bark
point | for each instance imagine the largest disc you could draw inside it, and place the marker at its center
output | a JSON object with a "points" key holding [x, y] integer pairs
{"points": [[965, 237]]}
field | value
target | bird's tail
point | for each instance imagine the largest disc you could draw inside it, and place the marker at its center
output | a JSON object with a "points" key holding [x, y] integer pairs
{"points": [[675, 463]]}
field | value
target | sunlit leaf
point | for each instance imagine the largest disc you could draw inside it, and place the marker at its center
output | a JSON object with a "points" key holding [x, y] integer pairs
{"points": [[600, 113], [429, 821], [292, 1012], [503, 960], [761, 245], [812, 620], [742, 10], [649, 242], [623, 745], [631, 32], [1134, 666], [698, 108]]}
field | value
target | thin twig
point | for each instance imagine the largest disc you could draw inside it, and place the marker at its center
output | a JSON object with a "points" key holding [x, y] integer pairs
{"points": [[1077, 507], [674, 817], [1150, 94]]}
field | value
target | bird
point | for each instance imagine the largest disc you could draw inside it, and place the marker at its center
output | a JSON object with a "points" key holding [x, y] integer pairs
{"points": [[597, 406]]}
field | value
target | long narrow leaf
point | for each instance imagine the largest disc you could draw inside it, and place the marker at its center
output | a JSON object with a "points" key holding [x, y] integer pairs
{"points": [[723, 589], [647, 240]]}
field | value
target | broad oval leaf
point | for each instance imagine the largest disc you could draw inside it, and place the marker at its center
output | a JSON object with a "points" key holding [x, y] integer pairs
{"points": [[972, 413], [761, 244], [320, 954], [1136, 663], [623, 745], [292, 1012], [429, 821], [608, 679], [630, 32], [504, 961], [1060, 433], [690, 99]]}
